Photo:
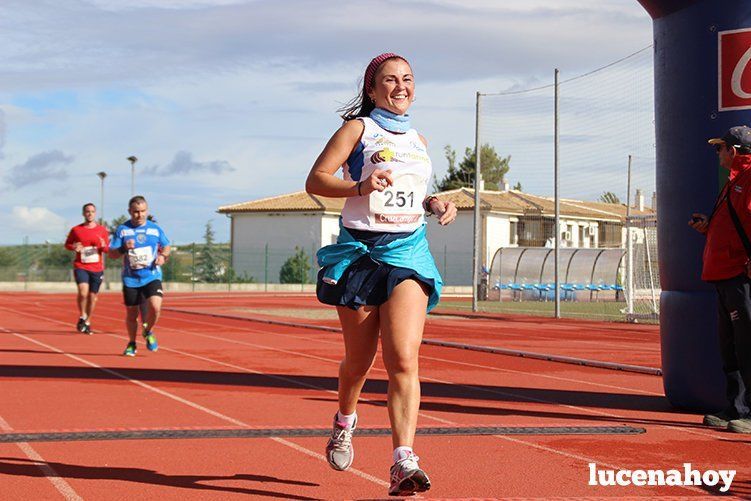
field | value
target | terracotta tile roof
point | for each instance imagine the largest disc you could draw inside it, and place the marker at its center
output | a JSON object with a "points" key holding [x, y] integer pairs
{"points": [[578, 208], [517, 202], [507, 202], [291, 202]]}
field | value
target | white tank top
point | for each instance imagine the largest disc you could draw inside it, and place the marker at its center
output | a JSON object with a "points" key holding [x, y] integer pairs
{"points": [[399, 207]]}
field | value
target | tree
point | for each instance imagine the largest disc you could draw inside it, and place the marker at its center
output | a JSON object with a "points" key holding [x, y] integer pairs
{"points": [[6, 257], [609, 198], [56, 256], [209, 262], [112, 225], [296, 269], [494, 169], [173, 270], [233, 277]]}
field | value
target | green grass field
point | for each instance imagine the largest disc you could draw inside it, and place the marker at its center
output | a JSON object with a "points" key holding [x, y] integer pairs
{"points": [[603, 310]]}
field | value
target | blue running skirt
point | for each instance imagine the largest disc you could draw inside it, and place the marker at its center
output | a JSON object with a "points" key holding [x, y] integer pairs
{"points": [[367, 282]]}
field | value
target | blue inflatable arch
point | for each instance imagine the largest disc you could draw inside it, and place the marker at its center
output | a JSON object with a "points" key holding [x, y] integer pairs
{"points": [[702, 88]]}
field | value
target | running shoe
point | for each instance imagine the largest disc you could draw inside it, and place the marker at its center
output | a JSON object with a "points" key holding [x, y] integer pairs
{"points": [[81, 325], [86, 329], [407, 478], [339, 451], [742, 425], [722, 418], [151, 343], [130, 350]]}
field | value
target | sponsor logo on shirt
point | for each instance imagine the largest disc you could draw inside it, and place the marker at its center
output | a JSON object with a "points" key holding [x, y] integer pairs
{"points": [[384, 155], [397, 218], [384, 141]]}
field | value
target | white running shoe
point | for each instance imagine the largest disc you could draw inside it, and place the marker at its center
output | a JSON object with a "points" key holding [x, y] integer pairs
{"points": [[339, 451], [407, 478]]}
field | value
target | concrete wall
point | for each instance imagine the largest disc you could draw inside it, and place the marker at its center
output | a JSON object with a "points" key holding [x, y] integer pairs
{"points": [[497, 234], [451, 245], [329, 228], [282, 232], [583, 233], [452, 248]]}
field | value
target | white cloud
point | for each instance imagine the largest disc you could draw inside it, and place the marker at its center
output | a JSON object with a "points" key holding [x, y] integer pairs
{"points": [[119, 5], [37, 221], [79, 44], [254, 85]]}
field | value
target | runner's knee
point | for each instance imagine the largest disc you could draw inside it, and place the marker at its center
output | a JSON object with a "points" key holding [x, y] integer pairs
{"points": [[400, 364], [357, 368]]}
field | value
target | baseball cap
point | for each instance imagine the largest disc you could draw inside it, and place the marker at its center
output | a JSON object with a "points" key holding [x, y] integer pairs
{"points": [[738, 136]]}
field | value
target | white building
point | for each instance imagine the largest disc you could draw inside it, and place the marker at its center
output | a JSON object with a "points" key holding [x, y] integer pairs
{"points": [[265, 232]]}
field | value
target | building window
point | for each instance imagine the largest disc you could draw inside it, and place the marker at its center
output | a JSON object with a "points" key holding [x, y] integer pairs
{"points": [[609, 234]]}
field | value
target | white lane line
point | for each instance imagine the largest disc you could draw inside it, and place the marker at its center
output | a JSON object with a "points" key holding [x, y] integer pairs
{"points": [[456, 362], [476, 388], [424, 357], [50, 474], [515, 440], [427, 357], [189, 403], [422, 414]]}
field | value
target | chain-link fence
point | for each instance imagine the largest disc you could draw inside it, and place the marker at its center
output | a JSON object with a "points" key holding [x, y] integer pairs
{"points": [[606, 174], [196, 266]]}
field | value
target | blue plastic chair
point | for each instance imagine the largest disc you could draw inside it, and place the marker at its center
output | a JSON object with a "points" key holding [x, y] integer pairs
{"points": [[517, 290]]}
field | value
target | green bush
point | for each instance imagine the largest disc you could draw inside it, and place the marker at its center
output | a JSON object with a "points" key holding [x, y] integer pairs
{"points": [[296, 269]]}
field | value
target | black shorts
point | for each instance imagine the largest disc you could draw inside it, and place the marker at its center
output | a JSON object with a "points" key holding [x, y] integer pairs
{"points": [[93, 278], [133, 296]]}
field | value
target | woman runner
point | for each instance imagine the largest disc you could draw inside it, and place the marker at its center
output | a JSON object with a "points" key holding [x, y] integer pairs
{"points": [[380, 274]]}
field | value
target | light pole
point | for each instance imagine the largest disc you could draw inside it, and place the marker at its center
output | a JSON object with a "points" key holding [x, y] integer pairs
{"points": [[101, 175], [132, 159]]}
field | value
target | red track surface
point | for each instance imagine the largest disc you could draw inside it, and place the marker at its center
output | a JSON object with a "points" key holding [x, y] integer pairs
{"points": [[218, 372]]}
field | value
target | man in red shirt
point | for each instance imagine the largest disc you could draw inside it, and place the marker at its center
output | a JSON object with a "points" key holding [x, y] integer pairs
{"points": [[728, 267], [89, 241]]}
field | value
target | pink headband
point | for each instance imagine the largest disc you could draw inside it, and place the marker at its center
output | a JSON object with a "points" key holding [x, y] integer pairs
{"points": [[373, 67]]}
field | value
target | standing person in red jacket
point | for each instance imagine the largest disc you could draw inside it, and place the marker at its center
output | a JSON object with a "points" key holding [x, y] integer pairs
{"points": [[89, 241], [727, 265]]}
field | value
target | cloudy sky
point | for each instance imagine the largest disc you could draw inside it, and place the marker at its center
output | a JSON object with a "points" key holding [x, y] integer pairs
{"points": [[224, 101]]}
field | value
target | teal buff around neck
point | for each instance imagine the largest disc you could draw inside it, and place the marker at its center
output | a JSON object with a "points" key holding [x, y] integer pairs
{"points": [[390, 121]]}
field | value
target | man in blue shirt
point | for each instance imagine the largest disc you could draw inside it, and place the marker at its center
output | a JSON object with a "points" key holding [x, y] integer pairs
{"points": [[144, 248]]}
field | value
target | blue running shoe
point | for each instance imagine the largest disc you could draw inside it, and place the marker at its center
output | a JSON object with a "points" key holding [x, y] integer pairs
{"points": [[130, 350], [151, 343]]}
